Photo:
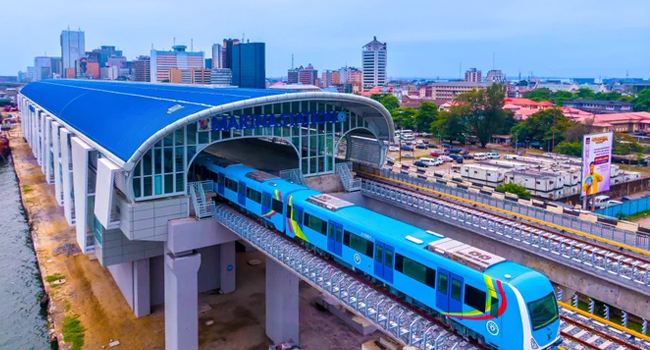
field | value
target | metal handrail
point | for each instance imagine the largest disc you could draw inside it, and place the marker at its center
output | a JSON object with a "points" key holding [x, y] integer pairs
{"points": [[389, 315]]}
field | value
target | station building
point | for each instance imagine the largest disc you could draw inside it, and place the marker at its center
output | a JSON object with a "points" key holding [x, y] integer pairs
{"points": [[120, 158]]}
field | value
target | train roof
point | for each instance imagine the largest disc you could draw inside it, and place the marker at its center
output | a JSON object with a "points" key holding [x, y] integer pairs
{"points": [[508, 271]]}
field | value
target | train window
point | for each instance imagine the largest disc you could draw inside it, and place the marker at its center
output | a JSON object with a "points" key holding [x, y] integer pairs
{"points": [[357, 243], [220, 179], [276, 205], [389, 258], [253, 195], [289, 211], [442, 283], [475, 298], [232, 185], [456, 289], [297, 215], [316, 224], [494, 307], [415, 270], [379, 253]]}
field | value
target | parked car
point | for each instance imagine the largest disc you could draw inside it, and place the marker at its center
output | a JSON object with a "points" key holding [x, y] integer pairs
{"points": [[425, 141], [435, 154], [600, 201], [446, 145], [407, 148], [468, 156], [408, 155], [420, 164], [626, 199], [611, 202], [432, 145], [425, 134], [431, 161], [393, 149], [455, 150], [459, 160], [421, 146], [446, 158], [390, 159]]}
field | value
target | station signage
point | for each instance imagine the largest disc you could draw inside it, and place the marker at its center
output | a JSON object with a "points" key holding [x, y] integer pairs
{"points": [[254, 121]]}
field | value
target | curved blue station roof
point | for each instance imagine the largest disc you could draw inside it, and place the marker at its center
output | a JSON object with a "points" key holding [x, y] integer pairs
{"points": [[121, 116]]}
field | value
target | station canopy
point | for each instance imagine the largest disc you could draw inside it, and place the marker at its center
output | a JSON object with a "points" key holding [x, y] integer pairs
{"points": [[126, 118]]}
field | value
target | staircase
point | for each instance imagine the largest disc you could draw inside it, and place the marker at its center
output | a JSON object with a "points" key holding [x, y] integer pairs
{"points": [[344, 171], [202, 207], [293, 175]]}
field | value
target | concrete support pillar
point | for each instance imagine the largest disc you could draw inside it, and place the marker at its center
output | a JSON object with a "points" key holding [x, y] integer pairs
{"points": [[227, 267], [282, 303], [141, 288], [181, 301]]}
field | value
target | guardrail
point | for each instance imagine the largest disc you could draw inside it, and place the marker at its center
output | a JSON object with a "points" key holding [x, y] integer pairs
{"points": [[623, 270], [384, 312], [608, 232], [202, 206]]}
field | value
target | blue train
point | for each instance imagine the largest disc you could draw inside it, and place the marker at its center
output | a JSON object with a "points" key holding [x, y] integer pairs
{"points": [[497, 302]]}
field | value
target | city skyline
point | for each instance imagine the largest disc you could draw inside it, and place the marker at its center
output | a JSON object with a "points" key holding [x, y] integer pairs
{"points": [[562, 40]]}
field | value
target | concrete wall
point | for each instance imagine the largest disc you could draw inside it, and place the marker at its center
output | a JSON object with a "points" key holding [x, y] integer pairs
{"points": [[605, 291], [123, 276], [148, 220], [117, 249], [157, 280], [328, 183]]}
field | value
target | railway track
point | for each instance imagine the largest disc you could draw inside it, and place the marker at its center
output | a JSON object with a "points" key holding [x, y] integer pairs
{"points": [[634, 269], [582, 330]]}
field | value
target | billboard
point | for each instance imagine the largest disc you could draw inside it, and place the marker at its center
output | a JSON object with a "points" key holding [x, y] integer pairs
{"points": [[596, 162]]}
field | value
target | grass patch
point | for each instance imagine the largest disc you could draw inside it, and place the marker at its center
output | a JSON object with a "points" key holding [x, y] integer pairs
{"points": [[26, 189], [67, 306], [54, 277], [30, 200], [73, 332], [637, 216]]}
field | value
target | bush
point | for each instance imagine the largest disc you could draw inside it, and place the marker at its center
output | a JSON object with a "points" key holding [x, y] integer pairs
{"points": [[514, 189], [569, 148]]}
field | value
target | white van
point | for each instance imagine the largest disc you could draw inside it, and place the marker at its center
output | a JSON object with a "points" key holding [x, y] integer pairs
{"points": [[493, 155], [431, 161], [601, 201], [480, 156], [512, 156]]}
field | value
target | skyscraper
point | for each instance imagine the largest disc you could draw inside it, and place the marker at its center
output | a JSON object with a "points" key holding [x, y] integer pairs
{"points": [[42, 68], [163, 61], [373, 58], [217, 56], [142, 68], [228, 48], [249, 65], [73, 47]]}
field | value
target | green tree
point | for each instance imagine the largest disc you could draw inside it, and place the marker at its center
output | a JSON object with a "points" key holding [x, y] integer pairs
{"points": [[543, 94], [574, 133], [404, 117], [642, 101], [573, 148], [585, 93], [450, 125], [487, 114], [544, 126], [427, 114], [625, 144], [389, 101], [560, 97], [513, 188]]}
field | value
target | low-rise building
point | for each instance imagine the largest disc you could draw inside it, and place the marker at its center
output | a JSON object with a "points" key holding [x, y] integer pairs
{"points": [[600, 106], [221, 76], [452, 89]]}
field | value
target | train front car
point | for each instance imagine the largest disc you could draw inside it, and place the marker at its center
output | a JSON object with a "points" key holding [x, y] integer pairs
{"points": [[532, 307]]}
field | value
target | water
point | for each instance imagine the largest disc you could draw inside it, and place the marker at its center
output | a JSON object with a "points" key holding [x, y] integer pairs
{"points": [[21, 324]]}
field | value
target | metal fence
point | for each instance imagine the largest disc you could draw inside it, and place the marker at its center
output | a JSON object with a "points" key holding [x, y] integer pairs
{"points": [[608, 232], [628, 208]]}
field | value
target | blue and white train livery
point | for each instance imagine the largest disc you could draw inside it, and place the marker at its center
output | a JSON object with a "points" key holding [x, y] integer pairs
{"points": [[483, 296]]}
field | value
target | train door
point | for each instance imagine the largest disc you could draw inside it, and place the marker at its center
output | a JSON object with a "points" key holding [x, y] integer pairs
{"points": [[266, 203], [449, 293], [335, 238], [220, 183], [241, 193], [384, 257]]}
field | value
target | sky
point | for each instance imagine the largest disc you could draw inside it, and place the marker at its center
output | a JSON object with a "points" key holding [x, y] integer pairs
{"points": [[425, 38]]}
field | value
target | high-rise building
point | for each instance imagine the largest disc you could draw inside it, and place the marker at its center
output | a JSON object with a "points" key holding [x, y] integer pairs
{"points": [[208, 63], [103, 54], [473, 75], [142, 68], [326, 79], [303, 75], [217, 56], [221, 76], [335, 78], [496, 75], [162, 62], [228, 49], [373, 58], [56, 66], [73, 47], [249, 65], [42, 68], [354, 76]]}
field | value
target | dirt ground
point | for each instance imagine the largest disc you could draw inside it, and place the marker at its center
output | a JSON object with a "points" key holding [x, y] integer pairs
{"points": [[89, 290], [91, 293]]}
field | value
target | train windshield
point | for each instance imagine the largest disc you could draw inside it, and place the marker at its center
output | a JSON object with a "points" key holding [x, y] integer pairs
{"points": [[543, 311]]}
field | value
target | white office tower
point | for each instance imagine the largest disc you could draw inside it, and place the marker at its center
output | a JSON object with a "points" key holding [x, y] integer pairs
{"points": [[373, 57]]}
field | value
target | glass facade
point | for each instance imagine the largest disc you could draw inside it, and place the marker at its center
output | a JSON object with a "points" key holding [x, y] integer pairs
{"points": [[161, 172], [248, 65]]}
